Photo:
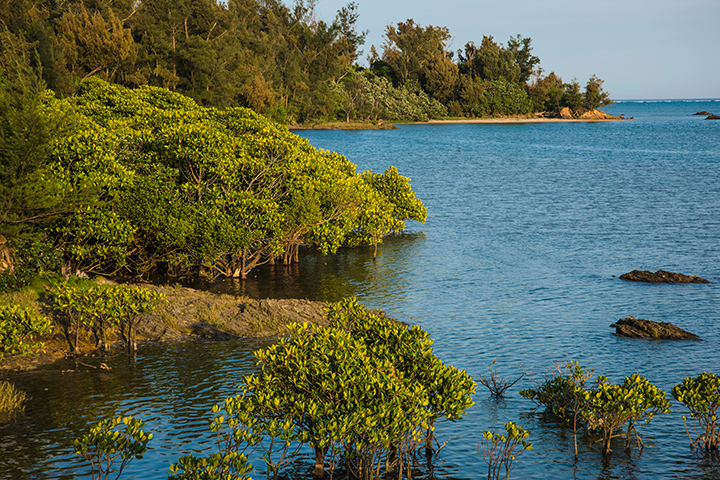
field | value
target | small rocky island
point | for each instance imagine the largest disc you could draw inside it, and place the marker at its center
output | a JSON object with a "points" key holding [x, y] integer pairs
{"points": [[632, 327], [661, 276]]}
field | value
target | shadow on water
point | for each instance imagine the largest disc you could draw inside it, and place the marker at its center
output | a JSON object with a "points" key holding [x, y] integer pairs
{"points": [[328, 278], [172, 387]]}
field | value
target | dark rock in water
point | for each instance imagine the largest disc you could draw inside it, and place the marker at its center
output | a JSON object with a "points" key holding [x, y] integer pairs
{"points": [[703, 113], [632, 327], [661, 276], [713, 117]]}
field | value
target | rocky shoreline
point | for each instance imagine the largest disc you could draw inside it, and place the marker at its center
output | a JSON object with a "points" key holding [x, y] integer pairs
{"points": [[191, 314], [563, 116]]}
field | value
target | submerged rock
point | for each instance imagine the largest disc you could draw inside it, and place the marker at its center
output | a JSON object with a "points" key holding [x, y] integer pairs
{"points": [[632, 327], [713, 117], [703, 113], [661, 276]]}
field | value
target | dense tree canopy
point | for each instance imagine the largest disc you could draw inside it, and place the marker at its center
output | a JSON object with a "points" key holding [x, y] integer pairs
{"points": [[281, 61], [177, 188], [151, 163]]}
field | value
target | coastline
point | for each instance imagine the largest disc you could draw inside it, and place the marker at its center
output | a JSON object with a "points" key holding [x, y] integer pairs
{"points": [[592, 116], [188, 314], [524, 120]]}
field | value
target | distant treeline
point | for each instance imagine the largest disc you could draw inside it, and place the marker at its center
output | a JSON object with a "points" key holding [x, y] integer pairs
{"points": [[281, 61]]}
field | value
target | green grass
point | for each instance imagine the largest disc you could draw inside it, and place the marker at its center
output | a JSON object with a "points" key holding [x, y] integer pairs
{"points": [[11, 399]]}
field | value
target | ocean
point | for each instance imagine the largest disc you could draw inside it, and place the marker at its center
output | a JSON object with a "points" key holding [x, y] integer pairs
{"points": [[529, 228]]}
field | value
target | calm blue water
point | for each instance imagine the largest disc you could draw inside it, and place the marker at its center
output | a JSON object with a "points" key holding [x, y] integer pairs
{"points": [[529, 228]]}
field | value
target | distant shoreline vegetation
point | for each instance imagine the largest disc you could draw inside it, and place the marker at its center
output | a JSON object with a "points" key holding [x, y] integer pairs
{"points": [[143, 138], [283, 63]]}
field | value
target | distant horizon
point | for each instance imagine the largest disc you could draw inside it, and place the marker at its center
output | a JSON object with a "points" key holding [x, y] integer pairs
{"points": [[689, 100]]}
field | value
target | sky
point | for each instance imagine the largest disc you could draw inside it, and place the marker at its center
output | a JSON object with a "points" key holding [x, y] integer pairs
{"points": [[642, 49]]}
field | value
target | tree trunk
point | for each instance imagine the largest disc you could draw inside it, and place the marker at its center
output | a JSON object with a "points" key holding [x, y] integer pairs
{"points": [[606, 447], [319, 471], [575, 416], [74, 350], [429, 440]]}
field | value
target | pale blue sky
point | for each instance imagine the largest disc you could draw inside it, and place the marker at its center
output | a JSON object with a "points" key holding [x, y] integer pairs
{"points": [[643, 49]]}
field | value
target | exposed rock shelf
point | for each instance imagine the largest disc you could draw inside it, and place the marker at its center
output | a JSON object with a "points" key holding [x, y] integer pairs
{"points": [[661, 276], [638, 328], [194, 314]]}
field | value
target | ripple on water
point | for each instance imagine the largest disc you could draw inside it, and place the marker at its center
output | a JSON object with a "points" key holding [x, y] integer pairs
{"points": [[529, 227]]}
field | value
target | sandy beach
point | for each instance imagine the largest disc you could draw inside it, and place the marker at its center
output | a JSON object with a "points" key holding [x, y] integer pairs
{"points": [[588, 117], [526, 120]]}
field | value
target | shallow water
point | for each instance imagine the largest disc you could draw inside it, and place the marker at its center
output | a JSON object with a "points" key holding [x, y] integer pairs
{"points": [[529, 228]]}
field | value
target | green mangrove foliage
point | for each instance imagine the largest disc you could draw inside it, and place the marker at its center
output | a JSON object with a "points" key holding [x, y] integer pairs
{"points": [[605, 408], [232, 466], [19, 329], [233, 438], [392, 202], [366, 391], [701, 395], [610, 406], [101, 308], [500, 450], [191, 189], [239, 427], [105, 444], [563, 392]]}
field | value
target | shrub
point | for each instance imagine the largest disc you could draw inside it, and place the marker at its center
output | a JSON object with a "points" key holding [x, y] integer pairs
{"points": [[365, 389], [701, 395], [606, 408], [19, 329], [104, 444], [497, 386], [500, 451], [563, 392], [610, 406], [101, 308], [11, 399]]}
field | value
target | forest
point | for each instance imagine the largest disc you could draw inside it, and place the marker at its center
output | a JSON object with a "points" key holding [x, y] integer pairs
{"points": [[285, 64], [151, 138]]}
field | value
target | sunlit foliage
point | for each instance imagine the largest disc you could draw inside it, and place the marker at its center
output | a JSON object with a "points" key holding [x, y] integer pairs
{"points": [[701, 395], [366, 390]]}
